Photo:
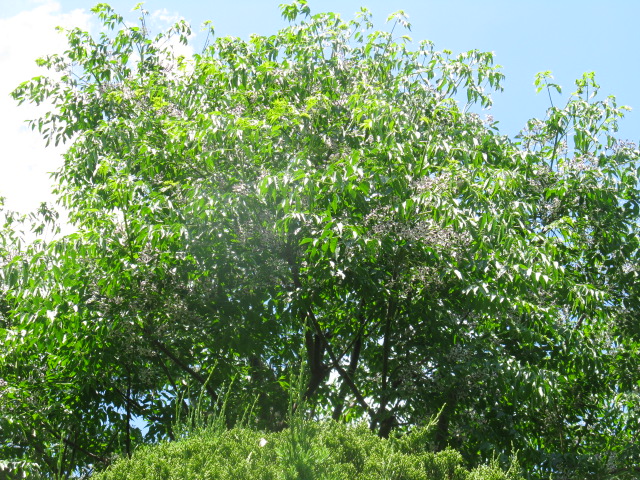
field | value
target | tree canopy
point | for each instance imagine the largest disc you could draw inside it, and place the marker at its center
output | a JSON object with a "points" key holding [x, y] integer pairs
{"points": [[330, 196]]}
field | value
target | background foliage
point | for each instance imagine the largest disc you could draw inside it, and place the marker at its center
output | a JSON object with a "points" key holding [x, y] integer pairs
{"points": [[327, 194]]}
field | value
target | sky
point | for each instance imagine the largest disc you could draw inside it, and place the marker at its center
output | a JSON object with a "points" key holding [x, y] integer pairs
{"points": [[568, 37]]}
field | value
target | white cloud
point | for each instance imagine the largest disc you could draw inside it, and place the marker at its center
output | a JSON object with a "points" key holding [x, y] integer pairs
{"points": [[24, 160], [165, 17]]}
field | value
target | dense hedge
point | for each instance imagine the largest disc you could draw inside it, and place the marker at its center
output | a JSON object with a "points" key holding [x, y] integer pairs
{"points": [[309, 451]]}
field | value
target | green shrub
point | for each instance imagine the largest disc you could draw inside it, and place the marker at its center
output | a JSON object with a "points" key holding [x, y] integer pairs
{"points": [[314, 451]]}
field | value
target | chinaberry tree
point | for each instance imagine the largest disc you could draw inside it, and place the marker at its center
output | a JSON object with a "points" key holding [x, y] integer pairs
{"points": [[328, 194]]}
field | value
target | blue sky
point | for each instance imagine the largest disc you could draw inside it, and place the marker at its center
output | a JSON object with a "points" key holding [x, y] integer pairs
{"points": [[568, 37]]}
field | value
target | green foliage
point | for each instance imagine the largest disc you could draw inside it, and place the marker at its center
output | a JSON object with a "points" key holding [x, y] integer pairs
{"points": [[334, 451], [323, 191]]}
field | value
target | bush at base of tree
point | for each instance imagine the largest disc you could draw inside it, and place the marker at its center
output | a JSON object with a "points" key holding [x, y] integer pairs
{"points": [[324, 451]]}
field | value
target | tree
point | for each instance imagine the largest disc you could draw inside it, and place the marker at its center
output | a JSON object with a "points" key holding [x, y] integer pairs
{"points": [[325, 194]]}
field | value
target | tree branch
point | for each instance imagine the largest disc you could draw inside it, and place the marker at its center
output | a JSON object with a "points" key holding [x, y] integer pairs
{"points": [[341, 371], [186, 368], [351, 370]]}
